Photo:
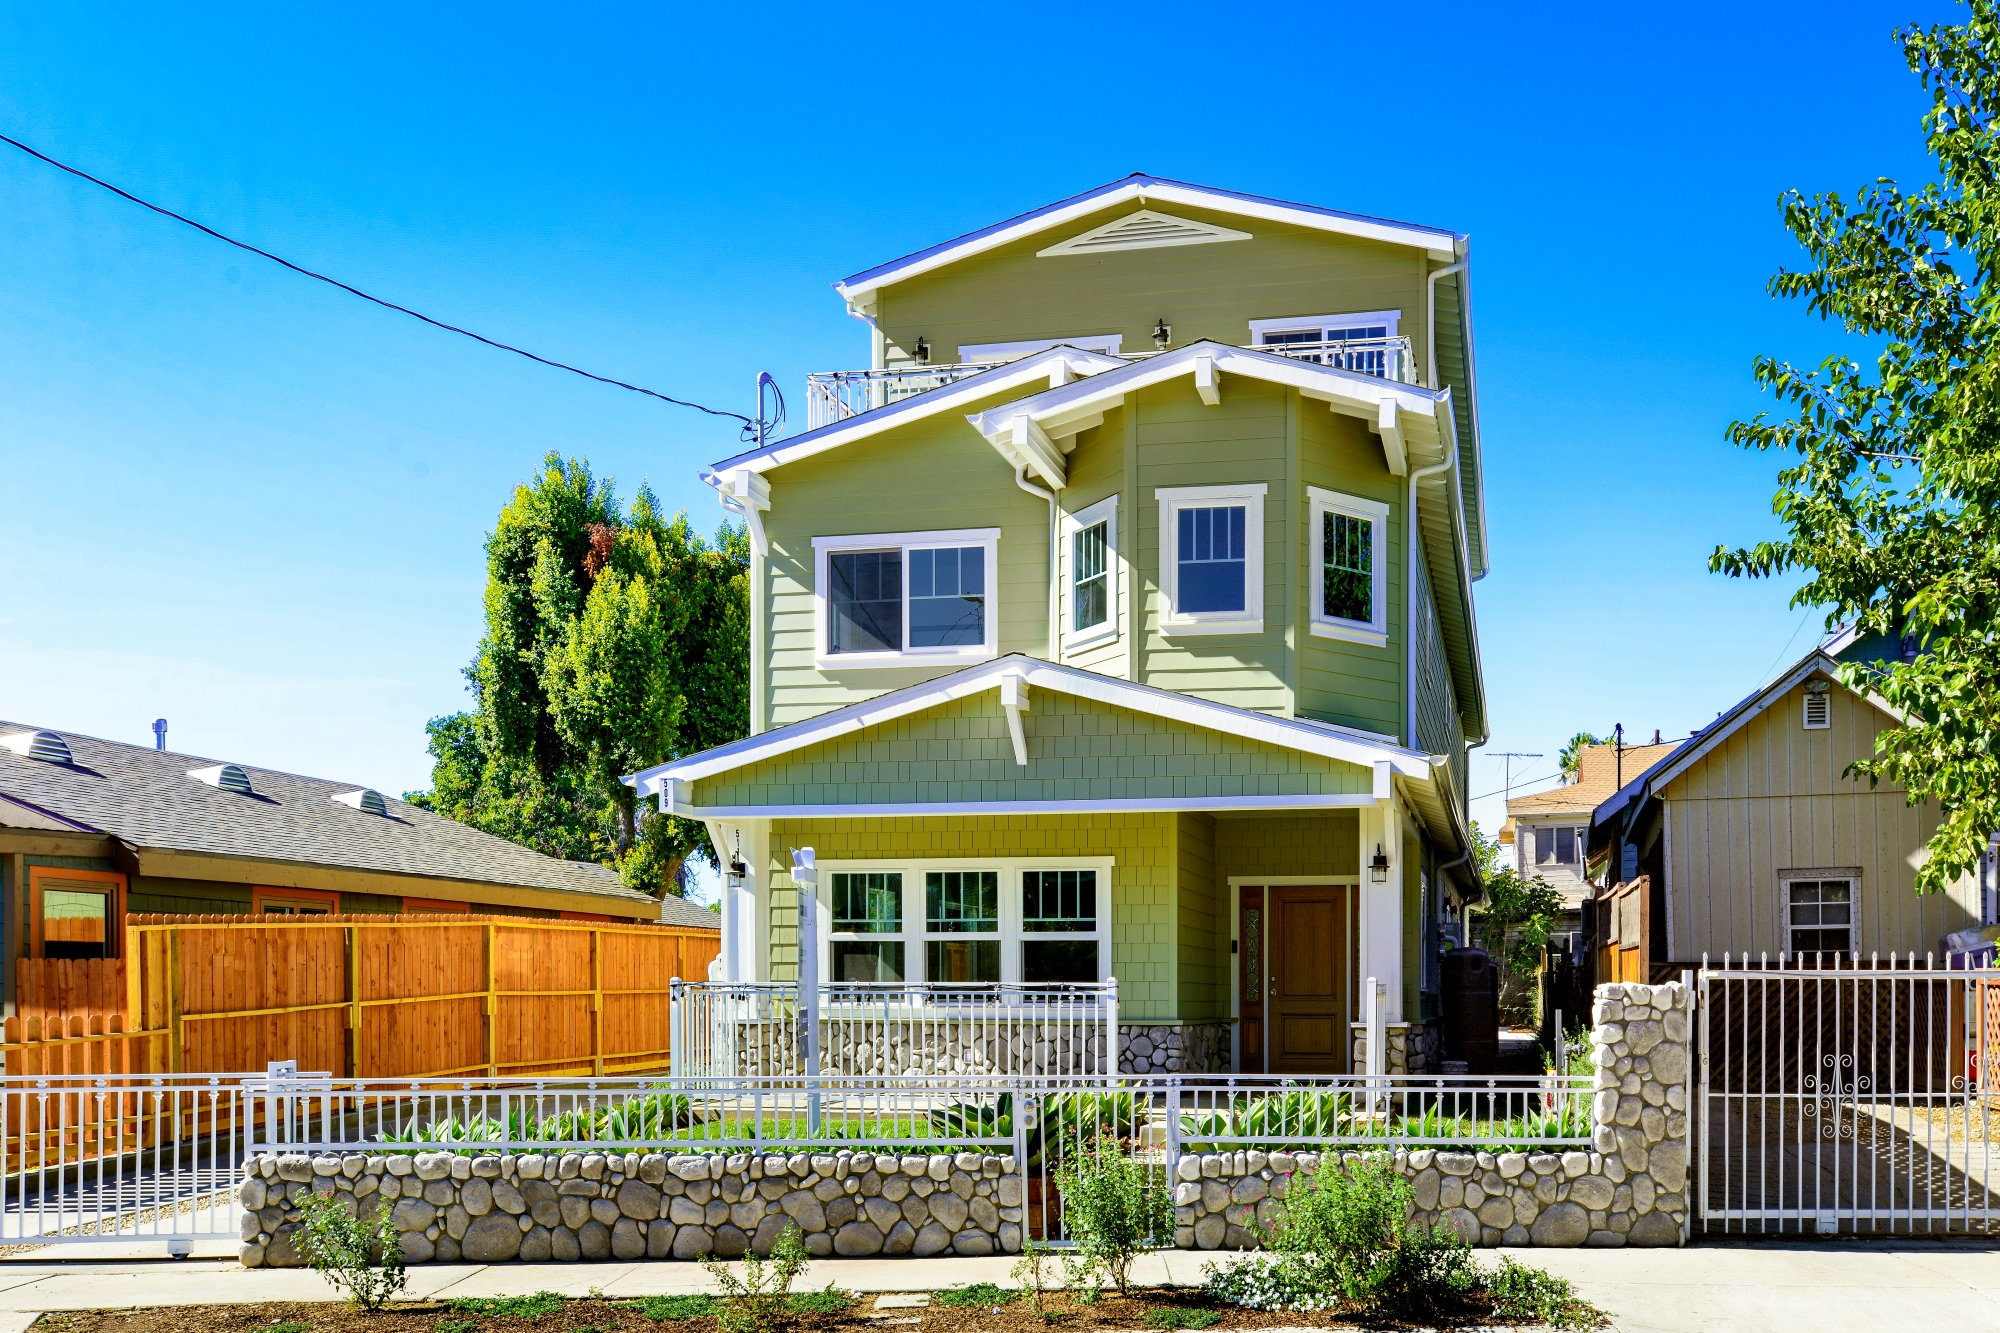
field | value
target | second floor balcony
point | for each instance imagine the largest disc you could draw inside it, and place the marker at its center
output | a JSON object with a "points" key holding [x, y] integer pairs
{"points": [[836, 395]]}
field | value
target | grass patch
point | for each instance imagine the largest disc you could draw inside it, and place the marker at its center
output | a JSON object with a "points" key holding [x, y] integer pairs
{"points": [[1178, 1317], [978, 1293], [830, 1301], [286, 1326], [457, 1325], [659, 1309], [509, 1307], [1521, 1293]]}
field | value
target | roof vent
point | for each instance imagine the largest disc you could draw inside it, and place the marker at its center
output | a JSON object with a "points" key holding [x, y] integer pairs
{"points": [[1819, 708], [1143, 230], [226, 776], [43, 745], [368, 801]]}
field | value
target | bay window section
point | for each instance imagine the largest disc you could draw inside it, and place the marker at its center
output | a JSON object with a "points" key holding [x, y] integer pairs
{"points": [[906, 599], [1212, 558], [1091, 548], [962, 926], [1059, 926], [1350, 567]]}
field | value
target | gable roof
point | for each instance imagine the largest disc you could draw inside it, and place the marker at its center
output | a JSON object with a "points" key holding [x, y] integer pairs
{"points": [[859, 288], [1292, 733], [146, 799], [1598, 769]]}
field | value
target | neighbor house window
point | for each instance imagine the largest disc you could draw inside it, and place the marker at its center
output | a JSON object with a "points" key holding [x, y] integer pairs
{"points": [[1059, 925], [866, 927], [902, 599], [1365, 343], [1091, 548], [1555, 846], [962, 925], [294, 902], [1350, 579], [1819, 915], [1212, 558], [74, 922]]}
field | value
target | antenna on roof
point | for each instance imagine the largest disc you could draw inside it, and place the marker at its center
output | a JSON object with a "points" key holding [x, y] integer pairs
{"points": [[159, 733], [755, 431]]}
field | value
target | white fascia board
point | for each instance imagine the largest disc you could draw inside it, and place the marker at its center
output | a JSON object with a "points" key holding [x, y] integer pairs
{"points": [[971, 389], [1439, 245], [1110, 805], [1347, 390], [1263, 727]]}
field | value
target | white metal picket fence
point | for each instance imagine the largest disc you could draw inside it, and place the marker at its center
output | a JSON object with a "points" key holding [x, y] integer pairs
{"points": [[1847, 1095]]}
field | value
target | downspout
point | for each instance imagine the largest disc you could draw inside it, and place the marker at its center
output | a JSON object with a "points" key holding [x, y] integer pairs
{"points": [[1021, 480], [1409, 583]]}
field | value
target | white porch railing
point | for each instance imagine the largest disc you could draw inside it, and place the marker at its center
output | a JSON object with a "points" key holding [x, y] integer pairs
{"points": [[725, 1029], [836, 395]]}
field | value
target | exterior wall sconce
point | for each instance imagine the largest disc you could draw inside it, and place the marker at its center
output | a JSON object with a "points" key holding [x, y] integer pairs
{"points": [[1378, 869], [1163, 333], [923, 350]]}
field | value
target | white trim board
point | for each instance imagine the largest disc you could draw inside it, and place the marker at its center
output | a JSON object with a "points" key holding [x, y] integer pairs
{"points": [[1114, 805], [1260, 327], [1104, 344]]}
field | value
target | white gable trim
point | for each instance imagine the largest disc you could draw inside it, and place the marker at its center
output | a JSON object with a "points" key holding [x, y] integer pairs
{"points": [[1440, 245], [1143, 230], [1261, 727], [1056, 364]]}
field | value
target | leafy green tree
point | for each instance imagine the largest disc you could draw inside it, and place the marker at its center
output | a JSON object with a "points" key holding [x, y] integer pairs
{"points": [[1890, 500], [614, 641], [1571, 755]]}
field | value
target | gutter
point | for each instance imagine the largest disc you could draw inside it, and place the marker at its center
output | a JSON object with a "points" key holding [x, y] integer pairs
{"points": [[1415, 554]]}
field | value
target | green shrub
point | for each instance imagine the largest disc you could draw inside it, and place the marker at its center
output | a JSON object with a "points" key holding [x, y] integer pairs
{"points": [[1178, 1317], [286, 1326], [978, 1294], [509, 1307], [659, 1309], [830, 1301], [1521, 1293], [758, 1301], [450, 1325], [364, 1258], [1113, 1207]]}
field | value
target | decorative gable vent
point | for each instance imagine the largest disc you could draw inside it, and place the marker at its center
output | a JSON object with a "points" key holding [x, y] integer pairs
{"points": [[226, 776], [1819, 705], [368, 801], [43, 745], [1143, 230]]}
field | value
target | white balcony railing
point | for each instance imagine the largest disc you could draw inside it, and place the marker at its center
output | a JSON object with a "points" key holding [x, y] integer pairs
{"points": [[756, 1028], [836, 395]]}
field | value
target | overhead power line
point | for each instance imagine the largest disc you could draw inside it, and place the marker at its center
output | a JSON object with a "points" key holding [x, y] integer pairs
{"points": [[356, 291]]}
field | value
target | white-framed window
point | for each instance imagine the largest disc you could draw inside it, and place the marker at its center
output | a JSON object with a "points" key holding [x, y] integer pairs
{"points": [[1821, 910], [906, 599], [1350, 555], [1212, 558], [1090, 553], [967, 921], [1555, 845], [1357, 342], [1107, 343]]}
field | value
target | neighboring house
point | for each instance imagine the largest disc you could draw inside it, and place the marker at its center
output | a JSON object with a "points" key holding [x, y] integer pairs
{"points": [[1550, 828], [93, 829], [1752, 838], [1138, 641]]}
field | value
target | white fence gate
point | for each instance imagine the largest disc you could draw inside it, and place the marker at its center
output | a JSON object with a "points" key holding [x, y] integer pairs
{"points": [[1848, 1096]]}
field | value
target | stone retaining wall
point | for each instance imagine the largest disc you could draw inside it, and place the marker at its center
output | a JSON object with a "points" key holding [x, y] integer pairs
{"points": [[1414, 1048], [494, 1209], [1173, 1048]]}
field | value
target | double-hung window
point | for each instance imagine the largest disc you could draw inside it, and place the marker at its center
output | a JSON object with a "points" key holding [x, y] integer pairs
{"points": [[866, 927], [1212, 558], [1819, 912], [1091, 547], [962, 925], [1350, 553], [904, 599], [1365, 343], [1555, 846], [1059, 910]]}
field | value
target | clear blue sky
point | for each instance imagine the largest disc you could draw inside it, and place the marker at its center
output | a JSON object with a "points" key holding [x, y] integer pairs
{"points": [[255, 506]]}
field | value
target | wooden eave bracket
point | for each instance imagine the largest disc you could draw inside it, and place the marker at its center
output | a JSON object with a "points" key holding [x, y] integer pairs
{"points": [[1023, 442], [1387, 426], [1014, 699], [1207, 382]]}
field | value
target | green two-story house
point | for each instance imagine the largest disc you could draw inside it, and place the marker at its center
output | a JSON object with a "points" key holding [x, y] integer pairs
{"points": [[1118, 622]]}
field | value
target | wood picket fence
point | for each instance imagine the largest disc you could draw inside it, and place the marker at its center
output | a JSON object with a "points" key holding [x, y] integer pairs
{"points": [[416, 996]]}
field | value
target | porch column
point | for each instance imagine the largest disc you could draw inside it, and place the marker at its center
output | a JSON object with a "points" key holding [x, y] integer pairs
{"points": [[745, 899], [1382, 903]]}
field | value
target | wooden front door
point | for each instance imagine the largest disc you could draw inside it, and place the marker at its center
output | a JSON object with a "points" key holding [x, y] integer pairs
{"points": [[1309, 942]]}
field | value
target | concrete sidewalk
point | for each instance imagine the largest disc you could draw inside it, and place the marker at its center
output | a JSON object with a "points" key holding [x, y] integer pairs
{"points": [[1825, 1287]]}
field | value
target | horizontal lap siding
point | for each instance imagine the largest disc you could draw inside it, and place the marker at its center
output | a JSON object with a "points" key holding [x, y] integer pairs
{"points": [[1352, 684], [1142, 882], [931, 475], [1202, 935], [1203, 291], [1078, 749], [1183, 442], [1289, 845], [1773, 797]]}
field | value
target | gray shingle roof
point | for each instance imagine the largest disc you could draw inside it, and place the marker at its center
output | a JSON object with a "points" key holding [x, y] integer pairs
{"points": [[680, 912], [146, 798]]}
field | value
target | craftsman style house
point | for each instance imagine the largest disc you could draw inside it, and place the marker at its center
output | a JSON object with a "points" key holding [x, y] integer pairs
{"points": [[1117, 622]]}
